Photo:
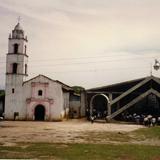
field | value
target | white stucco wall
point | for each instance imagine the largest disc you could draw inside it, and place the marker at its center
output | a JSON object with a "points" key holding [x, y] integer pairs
{"points": [[21, 43], [52, 98], [25, 98], [21, 60], [14, 101]]}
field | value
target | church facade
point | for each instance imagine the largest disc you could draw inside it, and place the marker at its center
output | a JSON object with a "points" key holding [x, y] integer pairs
{"points": [[39, 98]]}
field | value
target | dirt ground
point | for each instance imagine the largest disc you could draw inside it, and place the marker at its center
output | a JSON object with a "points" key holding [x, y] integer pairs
{"points": [[55, 132]]}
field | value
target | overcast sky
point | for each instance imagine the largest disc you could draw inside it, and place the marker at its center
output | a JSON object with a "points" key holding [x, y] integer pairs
{"points": [[90, 43]]}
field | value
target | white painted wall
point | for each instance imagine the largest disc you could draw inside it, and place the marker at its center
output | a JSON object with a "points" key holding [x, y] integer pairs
{"points": [[20, 42], [53, 91], [16, 58], [14, 101]]}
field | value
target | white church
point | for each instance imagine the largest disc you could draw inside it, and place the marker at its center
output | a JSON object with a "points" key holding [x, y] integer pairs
{"points": [[39, 98]]}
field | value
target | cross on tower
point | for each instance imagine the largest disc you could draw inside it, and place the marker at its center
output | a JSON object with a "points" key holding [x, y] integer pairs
{"points": [[19, 19]]}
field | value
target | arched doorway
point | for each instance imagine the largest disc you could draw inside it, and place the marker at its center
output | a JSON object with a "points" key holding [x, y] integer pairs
{"points": [[99, 105], [39, 113]]}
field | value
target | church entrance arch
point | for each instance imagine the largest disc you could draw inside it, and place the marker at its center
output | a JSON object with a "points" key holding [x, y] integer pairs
{"points": [[39, 113], [99, 105]]}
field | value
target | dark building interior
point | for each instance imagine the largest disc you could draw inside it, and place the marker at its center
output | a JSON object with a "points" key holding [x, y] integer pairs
{"points": [[139, 97]]}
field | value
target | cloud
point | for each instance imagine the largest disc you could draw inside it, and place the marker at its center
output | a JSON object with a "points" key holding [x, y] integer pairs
{"points": [[85, 28]]}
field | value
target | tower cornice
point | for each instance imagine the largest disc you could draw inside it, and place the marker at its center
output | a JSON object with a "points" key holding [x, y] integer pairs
{"points": [[17, 74], [18, 54], [18, 39]]}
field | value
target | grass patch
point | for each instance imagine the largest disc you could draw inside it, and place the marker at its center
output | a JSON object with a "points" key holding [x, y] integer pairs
{"points": [[126, 137], [95, 151], [107, 136], [80, 151], [151, 133]]}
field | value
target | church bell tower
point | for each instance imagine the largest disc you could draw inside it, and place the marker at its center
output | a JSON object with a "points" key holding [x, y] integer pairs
{"points": [[16, 73]]}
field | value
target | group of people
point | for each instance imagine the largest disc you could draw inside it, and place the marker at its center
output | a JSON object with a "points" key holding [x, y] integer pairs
{"points": [[98, 115], [145, 119], [2, 117]]}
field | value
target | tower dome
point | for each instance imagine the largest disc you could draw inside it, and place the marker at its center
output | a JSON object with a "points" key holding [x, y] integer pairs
{"points": [[18, 32], [18, 27]]}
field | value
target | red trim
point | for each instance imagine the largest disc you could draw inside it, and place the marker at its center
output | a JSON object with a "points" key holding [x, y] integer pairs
{"points": [[38, 100]]}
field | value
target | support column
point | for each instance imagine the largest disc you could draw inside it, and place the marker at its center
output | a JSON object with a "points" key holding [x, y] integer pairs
{"points": [[109, 104], [108, 119]]}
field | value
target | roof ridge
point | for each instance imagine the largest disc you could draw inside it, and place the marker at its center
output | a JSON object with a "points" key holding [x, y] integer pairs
{"points": [[129, 81]]}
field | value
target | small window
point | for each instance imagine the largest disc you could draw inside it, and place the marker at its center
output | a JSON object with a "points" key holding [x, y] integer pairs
{"points": [[15, 48], [12, 90], [25, 68], [40, 92], [25, 49], [14, 68]]}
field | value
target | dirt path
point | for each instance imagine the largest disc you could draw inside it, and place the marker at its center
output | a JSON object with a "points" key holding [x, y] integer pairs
{"points": [[56, 132]]}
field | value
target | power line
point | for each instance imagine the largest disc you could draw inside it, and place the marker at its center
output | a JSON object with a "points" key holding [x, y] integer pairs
{"points": [[92, 62], [84, 63], [78, 58], [97, 70], [90, 57]]}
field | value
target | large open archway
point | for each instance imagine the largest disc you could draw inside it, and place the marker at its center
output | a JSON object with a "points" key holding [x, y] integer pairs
{"points": [[39, 113], [99, 105]]}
